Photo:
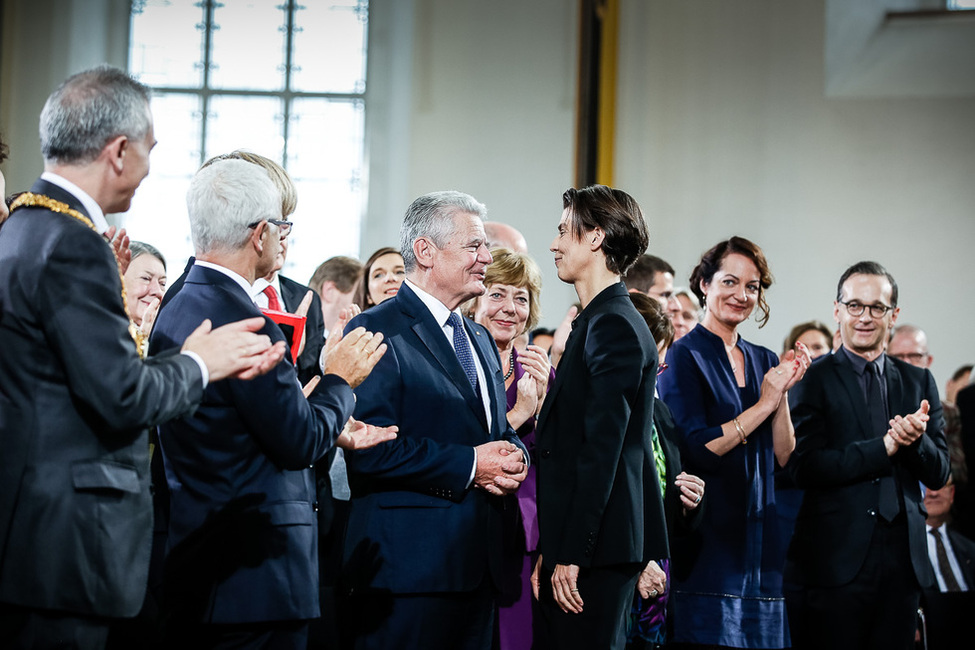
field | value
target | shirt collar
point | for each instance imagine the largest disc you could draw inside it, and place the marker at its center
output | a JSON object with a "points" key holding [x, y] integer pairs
{"points": [[860, 364], [91, 207], [437, 309], [233, 275]]}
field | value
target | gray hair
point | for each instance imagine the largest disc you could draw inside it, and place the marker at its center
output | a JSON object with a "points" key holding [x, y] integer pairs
{"points": [[88, 110], [224, 199], [139, 248], [432, 215]]}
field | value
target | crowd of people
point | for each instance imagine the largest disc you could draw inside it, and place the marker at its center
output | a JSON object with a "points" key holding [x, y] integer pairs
{"points": [[397, 455]]}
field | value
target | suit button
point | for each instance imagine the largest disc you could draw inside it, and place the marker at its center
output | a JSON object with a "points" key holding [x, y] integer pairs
{"points": [[872, 512], [546, 453], [875, 481], [314, 506]]}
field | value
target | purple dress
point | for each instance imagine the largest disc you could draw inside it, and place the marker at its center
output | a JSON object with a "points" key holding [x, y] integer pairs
{"points": [[520, 541]]}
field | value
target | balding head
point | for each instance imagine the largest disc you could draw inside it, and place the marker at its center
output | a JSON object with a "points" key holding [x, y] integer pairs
{"points": [[909, 343], [501, 235]]}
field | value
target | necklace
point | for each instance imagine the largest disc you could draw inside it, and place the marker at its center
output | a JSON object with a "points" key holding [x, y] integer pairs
{"points": [[511, 365]]}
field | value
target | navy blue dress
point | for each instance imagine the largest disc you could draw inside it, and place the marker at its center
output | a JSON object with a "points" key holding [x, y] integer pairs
{"points": [[732, 595]]}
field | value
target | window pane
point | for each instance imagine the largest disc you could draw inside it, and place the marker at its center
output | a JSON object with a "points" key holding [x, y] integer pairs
{"points": [[158, 26], [326, 139], [252, 123], [248, 45], [329, 50], [327, 223], [325, 159]]}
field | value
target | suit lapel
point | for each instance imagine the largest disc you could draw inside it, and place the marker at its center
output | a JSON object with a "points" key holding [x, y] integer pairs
{"points": [[564, 370], [431, 335], [486, 350], [895, 390], [849, 379], [291, 295]]}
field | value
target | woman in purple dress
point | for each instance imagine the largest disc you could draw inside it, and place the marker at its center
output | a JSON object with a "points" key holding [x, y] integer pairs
{"points": [[508, 309]]}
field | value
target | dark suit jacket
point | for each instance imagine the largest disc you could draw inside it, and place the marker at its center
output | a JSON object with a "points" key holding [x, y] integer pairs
{"points": [[75, 404], [965, 401], [292, 293], [948, 615], [839, 462], [415, 525], [593, 443], [242, 531]]}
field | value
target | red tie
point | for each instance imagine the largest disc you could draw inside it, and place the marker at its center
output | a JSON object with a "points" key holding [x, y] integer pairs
{"points": [[273, 302]]}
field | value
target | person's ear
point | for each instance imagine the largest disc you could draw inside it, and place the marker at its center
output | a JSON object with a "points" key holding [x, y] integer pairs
{"points": [[115, 152]]}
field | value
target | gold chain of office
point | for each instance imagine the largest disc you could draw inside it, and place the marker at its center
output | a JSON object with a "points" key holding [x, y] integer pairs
{"points": [[31, 200]]}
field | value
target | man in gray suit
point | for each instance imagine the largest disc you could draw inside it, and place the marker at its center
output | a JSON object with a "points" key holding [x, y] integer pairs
{"points": [[76, 399]]}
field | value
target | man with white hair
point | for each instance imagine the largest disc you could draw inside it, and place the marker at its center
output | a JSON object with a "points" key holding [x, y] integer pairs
{"points": [[242, 546], [423, 548]]}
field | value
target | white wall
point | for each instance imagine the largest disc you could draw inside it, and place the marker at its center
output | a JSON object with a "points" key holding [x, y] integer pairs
{"points": [[724, 128], [489, 108]]}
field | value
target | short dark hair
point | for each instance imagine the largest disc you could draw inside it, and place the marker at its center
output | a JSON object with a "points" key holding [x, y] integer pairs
{"points": [[711, 262], [617, 214], [4, 151], [643, 274], [867, 268], [659, 323], [343, 271], [961, 372]]}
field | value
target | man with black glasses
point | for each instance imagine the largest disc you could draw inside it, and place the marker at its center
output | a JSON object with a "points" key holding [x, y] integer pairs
{"points": [[869, 431]]}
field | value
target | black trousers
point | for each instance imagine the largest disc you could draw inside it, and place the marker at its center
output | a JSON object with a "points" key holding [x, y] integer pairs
{"points": [[438, 621], [607, 593], [26, 628], [877, 610]]}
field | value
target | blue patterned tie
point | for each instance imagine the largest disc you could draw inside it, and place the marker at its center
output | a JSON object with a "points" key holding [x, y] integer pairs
{"points": [[463, 350]]}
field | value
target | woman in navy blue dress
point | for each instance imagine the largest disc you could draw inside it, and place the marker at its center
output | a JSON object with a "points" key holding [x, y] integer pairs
{"points": [[728, 396]]}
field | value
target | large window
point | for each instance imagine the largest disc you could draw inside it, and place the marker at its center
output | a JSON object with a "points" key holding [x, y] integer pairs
{"points": [[279, 78]]}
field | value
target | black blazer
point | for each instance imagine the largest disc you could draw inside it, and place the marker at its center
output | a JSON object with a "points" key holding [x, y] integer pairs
{"points": [[839, 463], [593, 443], [75, 405]]}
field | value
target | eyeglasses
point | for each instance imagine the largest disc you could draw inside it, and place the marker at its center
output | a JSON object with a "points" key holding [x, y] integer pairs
{"points": [[911, 357], [283, 226], [857, 308]]}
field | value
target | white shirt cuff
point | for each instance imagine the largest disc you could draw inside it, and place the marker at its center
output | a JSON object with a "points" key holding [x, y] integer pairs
{"points": [[199, 362]]}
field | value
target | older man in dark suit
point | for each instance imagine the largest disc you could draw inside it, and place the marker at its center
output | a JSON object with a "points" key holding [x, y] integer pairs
{"points": [[423, 548], [242, 550], [75, 398], [869, 430], [598, 526]]}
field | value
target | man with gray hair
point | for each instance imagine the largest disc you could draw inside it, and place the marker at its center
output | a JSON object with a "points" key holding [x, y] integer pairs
{"points": [[242, 547], [423, 547], [76, 399]]}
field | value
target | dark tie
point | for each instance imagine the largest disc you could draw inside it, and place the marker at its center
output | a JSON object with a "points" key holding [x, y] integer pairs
{"points": [[951, 582], [273, 302], [879, 423], [463, 350]]}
